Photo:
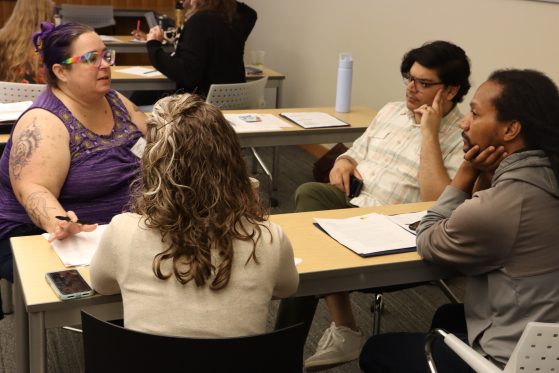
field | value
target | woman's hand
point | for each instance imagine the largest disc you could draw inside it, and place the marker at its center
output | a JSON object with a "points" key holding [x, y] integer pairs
{"points": [[139, 35], [65, 228], [155, 33]]}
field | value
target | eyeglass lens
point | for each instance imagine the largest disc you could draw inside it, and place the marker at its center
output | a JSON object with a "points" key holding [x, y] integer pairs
{"points": [[418, 83], [93, 58]]}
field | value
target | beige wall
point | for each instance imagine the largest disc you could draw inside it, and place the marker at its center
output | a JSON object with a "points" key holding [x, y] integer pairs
{"points": [[302, 38]]}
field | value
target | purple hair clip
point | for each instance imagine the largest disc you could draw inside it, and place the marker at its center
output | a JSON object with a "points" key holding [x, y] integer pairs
{"points": [[39, 36]]}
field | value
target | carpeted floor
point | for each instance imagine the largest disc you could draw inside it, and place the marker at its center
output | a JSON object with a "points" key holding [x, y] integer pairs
{"points": [[405, 310]]}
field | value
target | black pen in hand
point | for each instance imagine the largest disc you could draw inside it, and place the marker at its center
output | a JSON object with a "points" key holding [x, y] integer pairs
{"points": [[65, 218]]}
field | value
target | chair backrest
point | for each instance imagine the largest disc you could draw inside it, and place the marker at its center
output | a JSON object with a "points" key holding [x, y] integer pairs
{"points": [[537, 350], [249, 95], [17, 92], [111, 348], [96, 16]]}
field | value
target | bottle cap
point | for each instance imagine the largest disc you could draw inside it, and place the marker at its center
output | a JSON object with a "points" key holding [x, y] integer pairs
{"points": [[346, 60]]}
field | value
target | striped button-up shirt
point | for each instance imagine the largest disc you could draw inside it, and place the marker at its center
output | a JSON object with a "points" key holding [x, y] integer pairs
{"points": [[387, 155]]}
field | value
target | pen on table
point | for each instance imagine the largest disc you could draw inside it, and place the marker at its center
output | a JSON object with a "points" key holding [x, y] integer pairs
{"points": [[65, 218], [150, 71]]}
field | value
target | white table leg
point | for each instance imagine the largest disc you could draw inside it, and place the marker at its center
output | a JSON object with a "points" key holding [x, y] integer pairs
{"points": [[21, 327], [37, 343]]}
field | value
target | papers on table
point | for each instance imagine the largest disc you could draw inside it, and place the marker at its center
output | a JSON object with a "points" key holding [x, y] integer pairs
{"points": [[405, 220], [372, 234], [110, 39], [77, 250], [141, 71], [251, 122], [11, 111], [314, 119]]}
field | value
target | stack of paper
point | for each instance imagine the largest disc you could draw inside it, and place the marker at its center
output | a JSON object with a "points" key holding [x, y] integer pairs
{"points": [[140, 71], [252, 122], [109, 39], [372, 234], [314, 120], [10, 112], [77, 250]]}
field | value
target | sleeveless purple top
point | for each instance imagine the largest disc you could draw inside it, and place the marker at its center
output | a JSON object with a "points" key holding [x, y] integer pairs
{"points": [[97, 186]]}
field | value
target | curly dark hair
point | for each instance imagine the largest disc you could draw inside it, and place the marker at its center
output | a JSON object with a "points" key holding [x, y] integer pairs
{"points": [[449, 60], [531, 98], [195, 190]]}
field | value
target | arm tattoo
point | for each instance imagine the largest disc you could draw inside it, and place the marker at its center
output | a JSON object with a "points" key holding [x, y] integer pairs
{"points": [[23, 148], [36, 207]]}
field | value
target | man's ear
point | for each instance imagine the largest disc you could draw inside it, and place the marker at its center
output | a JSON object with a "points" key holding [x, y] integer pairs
{"points": [[60, 72], [512, 130], [451, 91]]}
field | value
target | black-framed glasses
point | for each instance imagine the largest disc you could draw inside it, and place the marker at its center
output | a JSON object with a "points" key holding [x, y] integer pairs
{"points": [[419, 84], [93, 58]]}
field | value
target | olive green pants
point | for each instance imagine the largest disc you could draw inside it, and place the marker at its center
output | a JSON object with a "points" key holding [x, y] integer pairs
{"points": [[319, 196]]}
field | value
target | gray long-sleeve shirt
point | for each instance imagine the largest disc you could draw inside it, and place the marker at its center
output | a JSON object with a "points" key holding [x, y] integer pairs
{"points": [[506, 240]]}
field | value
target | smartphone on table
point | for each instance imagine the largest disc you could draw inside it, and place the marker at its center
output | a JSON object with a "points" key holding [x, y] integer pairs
{"points": [[69, 284]]}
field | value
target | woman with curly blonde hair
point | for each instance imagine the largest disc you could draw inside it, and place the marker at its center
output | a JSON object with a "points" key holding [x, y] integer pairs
{"points": [[18, 60], [198, 248]]}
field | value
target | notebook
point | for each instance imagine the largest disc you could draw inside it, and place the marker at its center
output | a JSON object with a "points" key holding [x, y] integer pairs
{"points": [[373, 234], [314, 120], [252, 70]]}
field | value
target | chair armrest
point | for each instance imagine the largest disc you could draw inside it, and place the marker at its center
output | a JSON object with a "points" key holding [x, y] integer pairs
{"points": [[471, 357]]}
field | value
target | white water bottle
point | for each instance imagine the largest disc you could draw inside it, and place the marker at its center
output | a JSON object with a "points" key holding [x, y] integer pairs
{"points": [[343, 88]]}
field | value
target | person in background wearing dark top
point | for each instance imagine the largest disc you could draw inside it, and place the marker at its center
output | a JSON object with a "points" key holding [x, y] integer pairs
{"points": [[210, 47], [73, 152], [497, 223]]}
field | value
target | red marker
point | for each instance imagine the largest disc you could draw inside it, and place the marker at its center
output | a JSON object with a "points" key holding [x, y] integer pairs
{"points": [[138, 25]]}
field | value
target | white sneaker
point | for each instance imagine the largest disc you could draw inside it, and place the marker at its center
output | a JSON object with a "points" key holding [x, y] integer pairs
{"points": [[339, 344]]}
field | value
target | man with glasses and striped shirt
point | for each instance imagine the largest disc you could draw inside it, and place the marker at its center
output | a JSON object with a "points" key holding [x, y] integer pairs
{"points": [[409, 153]]}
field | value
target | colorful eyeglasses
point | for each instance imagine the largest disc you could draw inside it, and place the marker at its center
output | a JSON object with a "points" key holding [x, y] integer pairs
{"points": [[93, 58]]}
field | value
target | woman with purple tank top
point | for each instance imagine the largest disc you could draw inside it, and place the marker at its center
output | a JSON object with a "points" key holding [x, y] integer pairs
{"points": [[75, 151]]}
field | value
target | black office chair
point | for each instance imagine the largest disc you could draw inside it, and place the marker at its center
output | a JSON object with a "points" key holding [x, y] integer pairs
{"points": [[111, 348]]}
